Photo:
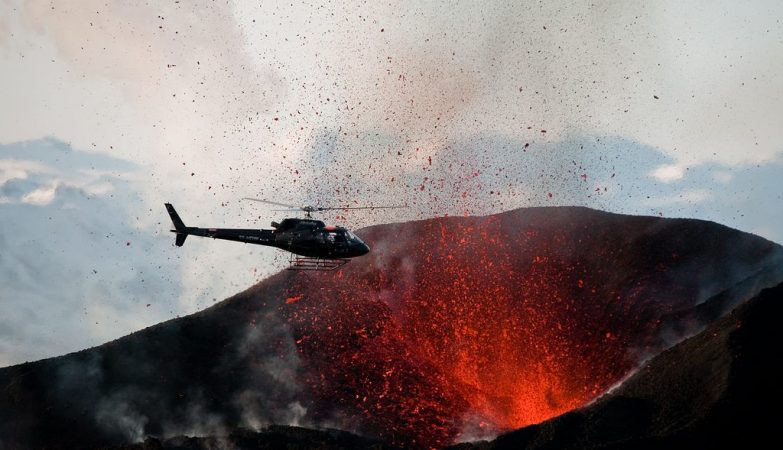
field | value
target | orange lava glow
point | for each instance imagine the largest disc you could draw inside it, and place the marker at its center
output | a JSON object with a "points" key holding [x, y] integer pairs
{"points": [[471, 326]]}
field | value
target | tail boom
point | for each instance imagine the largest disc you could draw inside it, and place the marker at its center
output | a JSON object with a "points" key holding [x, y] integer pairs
{"points": [[249, 236]]}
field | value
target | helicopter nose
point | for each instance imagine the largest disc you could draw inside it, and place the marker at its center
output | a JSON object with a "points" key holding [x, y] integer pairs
{"points": [[362, 249]]}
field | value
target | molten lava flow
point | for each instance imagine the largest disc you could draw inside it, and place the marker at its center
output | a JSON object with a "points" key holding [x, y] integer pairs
{"points": [[477, 324]]}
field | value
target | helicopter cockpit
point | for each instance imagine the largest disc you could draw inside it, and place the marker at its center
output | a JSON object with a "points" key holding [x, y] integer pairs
{"points": [[341, 236]]}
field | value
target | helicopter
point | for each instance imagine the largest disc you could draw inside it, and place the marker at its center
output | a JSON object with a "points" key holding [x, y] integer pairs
{"points": [[312, 244]]}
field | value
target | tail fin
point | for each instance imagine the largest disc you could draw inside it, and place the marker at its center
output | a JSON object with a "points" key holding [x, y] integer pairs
{"points": [[179, 226]]}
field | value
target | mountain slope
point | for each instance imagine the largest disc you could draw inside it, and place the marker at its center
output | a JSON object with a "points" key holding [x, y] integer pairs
{"points": [[449, 328]]}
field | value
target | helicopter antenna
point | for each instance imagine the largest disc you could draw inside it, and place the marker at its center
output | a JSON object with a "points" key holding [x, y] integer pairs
{"points": [[308, 210]]}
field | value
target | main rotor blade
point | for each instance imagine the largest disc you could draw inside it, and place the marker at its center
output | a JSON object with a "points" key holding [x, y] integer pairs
{"points": [[273, 203], [361, 207], [309, 209]]}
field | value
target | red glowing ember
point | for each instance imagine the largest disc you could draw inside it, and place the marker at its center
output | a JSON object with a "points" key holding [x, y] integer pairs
{"points": [[474, 325], [294, 299]]}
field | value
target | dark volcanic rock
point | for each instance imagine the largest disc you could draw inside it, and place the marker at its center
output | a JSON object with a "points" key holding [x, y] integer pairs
{"points": [[270, 438], [449, 328], [719, 389]]}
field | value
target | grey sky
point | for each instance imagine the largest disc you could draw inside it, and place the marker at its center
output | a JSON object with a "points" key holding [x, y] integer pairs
{"points": [[667, 108]]}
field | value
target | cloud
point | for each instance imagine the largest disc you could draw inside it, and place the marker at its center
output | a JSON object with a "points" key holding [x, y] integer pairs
{"points": [[76, 268], [688, 197], [41, 196], [11, 169], [32, 172], [668, 173]]}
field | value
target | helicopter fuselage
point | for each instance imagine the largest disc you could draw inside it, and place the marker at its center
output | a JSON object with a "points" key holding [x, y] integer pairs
{"points": [[305, 237]]}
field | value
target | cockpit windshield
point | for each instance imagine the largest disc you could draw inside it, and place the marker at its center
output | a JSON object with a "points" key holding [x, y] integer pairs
{"points": [[338, 235], [352, 236]]}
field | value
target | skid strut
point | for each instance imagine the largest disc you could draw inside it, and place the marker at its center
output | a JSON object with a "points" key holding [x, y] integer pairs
{"points": [[307, 263]]}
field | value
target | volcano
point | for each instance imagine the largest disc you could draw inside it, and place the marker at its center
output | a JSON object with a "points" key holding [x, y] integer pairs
{"points": [[450, 329]]}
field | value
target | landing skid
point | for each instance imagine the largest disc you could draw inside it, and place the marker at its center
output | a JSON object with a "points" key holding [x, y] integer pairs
{"points": [[320, 264]]}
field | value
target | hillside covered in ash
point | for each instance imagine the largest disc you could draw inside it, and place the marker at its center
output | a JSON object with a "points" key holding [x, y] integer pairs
{"points": [[451, 329]]}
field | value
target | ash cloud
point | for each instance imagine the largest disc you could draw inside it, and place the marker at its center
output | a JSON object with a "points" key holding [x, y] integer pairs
{"points": [[271, 390], [117, 417]]}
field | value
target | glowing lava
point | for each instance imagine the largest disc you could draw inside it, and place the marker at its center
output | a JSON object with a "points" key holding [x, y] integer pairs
{"points": [[474, 325]]}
